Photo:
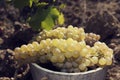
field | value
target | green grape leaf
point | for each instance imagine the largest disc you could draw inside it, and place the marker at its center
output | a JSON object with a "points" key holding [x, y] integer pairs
{"points": [[54, 13], [35, 21], [48, 23], [21, 3], [40, 16], [61, 19], [46, 18], [30, 3]]}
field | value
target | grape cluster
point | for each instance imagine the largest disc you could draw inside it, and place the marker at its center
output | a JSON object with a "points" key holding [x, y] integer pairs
{"points": [[62, 33], [70, 32], [91, 38], [67, 53]]}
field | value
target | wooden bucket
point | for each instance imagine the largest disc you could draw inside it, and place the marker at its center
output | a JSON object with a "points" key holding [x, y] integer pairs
{"points": [[39, 73]]}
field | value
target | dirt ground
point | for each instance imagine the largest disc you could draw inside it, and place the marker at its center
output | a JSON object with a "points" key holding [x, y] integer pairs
{"points": [[98, 16]]}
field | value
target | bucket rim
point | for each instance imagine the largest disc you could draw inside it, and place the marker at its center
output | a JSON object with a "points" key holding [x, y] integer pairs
{"points": [[64, 73]]}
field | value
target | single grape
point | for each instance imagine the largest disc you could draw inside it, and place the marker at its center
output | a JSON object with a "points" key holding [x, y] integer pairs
{"points": [[82, 67], [94, 60], [61, 58], [102, 61], [54, 59], [108, 60], [84, 52], [24, 48], [30, 47], [68, 65], [87, 62], [36, 46]]}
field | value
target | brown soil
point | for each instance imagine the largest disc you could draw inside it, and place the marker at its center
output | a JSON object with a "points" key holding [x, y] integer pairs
{"points": [[99, 16]]}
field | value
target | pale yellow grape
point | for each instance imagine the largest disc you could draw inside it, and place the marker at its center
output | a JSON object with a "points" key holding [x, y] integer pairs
{"points": [[70, 27], [54, 59], [17, 50], [88, 48], [30, 47], [55, 33], [69, 40], [84, 52], [61, 58], [94, 51], [60, 44], [56, 51], [69, 35], [94, 60], [108, 60], [60, 35], [77, 47], [63, 46], [48, 49], [24, 48], [36, 46], [102, 61], [68, 54], [82, 67], [43, 44], [82, 44], [23, 55], [48, 33], [48, 41], [109, 53], [87, 62], [82, 36], [76, 54], [55, 42], [76, 37], [70, 47]]}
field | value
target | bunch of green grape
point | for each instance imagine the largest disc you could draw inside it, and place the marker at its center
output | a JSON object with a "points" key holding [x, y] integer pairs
{"points": [[62, 33], [75, 33], [68, 55]]}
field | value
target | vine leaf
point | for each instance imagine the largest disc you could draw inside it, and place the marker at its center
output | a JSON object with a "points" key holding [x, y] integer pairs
{"points": [[61, 19], [48, 23], [46, 18], [30, 3]]}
